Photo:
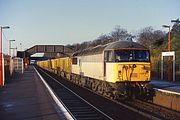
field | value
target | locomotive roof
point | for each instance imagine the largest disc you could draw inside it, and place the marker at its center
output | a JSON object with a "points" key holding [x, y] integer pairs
{"points": [[124, 44], [110, 46], [90, 51]]}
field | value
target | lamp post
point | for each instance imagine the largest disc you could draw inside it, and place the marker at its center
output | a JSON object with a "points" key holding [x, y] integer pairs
{"points": [[13, 51], [169, 71], [20, 46], [1, 74], [176, 21], [10, 46]]}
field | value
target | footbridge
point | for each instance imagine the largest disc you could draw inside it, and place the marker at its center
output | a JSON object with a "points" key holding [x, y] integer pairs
{"points": [[50, 51]]}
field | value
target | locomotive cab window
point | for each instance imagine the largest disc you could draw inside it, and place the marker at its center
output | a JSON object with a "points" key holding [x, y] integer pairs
{"points": [[109, 56], [131, 55], [74, 61], [141, 55]]}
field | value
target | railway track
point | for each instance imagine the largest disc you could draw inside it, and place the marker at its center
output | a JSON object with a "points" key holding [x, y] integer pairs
{"points": [[156, 110], [79, 108], [105, 108], [148, 109]]}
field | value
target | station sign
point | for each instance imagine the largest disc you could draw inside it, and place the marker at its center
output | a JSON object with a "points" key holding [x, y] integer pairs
{"points": [[172, 53], [165, 54]]}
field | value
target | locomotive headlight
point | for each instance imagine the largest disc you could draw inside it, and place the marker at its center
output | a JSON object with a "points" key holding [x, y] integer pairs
{"points": [[120, 74], [147, 73], [134, 66]]}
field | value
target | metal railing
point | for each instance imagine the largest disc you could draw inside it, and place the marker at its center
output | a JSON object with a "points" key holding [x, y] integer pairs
{"points": [[18, 65]]}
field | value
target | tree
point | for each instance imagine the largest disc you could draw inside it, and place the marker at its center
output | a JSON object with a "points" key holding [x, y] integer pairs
{"points": [[105, 39], [175, 29], [149, 37], [119, 33]]}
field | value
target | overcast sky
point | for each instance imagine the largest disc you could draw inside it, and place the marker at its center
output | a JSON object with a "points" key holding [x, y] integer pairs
{"points": [[64, 22]]}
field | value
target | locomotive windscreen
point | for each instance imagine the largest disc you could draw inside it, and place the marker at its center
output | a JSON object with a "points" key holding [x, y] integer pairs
{"points": [[132, 55]]}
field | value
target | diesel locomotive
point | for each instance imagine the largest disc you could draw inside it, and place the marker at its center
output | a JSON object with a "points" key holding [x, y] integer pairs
{"points": [[114, 70]]}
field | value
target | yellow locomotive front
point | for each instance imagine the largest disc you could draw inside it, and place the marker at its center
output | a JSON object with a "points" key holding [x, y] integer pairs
{"points": [[127, 64]]}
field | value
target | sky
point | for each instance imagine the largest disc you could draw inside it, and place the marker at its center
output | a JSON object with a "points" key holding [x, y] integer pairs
{"points": [[62, 22]]}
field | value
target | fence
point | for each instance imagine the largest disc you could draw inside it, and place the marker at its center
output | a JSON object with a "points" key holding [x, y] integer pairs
{"points": [[18, 65], [156, 70]]}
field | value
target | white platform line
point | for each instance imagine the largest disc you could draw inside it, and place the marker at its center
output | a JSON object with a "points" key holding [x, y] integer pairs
{"points": [[59, 104], [167, 91]]}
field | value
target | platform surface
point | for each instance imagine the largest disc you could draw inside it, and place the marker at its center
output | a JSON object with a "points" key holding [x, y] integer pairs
{"points": [[166, 85], [26, 98]]}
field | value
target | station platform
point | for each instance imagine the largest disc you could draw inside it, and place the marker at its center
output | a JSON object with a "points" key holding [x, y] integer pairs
{"points": [[26, 97], [166, 93], [166, 85]]}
